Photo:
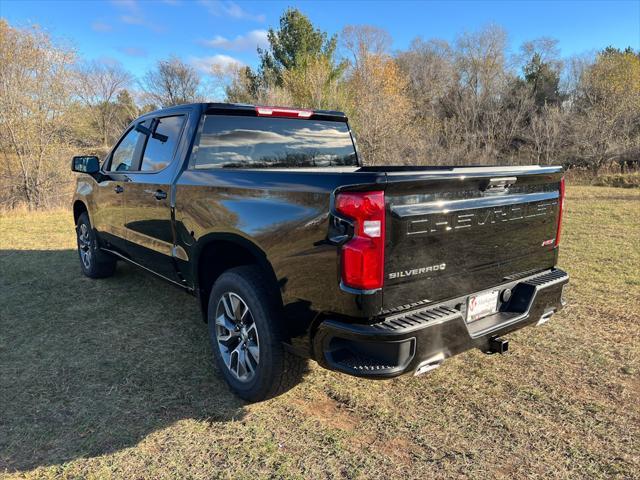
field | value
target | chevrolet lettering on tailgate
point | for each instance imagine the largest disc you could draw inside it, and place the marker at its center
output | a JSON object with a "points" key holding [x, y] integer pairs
{"points": [[446, 222]]}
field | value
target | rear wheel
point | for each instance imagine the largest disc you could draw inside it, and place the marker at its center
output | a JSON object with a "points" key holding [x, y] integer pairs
{"points": [[246, 336], [94, 262]]}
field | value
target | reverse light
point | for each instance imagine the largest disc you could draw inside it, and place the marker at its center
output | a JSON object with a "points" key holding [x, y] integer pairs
{"points": [[363, 255], [560, 210], [283, 112]]}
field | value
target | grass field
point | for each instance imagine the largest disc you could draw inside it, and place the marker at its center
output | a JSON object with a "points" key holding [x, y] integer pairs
{"points": [[114, 379]]}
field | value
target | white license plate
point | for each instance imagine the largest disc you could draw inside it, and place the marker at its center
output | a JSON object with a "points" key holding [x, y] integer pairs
{"points": [[481, 305]]}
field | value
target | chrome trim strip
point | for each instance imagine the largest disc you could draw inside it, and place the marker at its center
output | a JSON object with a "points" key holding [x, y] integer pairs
{"points": [[403, 211], [356, 291], [122, 257]]}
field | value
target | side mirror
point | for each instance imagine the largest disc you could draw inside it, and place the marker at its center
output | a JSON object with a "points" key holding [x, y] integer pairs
{"points": [[85, 164]]}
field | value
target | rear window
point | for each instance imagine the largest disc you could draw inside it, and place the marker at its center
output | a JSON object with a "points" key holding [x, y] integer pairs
{"points": [[258, 142], [159, 151]]}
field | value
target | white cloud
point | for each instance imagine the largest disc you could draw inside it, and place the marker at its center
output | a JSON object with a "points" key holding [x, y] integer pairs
{"points": [[250, 41], [133, 51], [128, 4], [138, 19], [230, 9], [101, 27], [108, 61], [133, 15], [206, 64], [132, 19]]}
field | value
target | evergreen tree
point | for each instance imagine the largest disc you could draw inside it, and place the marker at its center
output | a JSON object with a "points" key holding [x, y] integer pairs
{"points": [[544, 81], [293, 46]]}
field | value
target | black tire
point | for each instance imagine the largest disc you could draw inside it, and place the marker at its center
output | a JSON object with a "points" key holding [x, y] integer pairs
{"points": [[276, 370], [94, 262]]}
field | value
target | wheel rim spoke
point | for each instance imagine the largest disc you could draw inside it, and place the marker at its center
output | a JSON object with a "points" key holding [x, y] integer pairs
{"points": [[224, 321], [248, 366], [226, 357], [251, 330], [234, 359], [237, 336], [226, 299], [242, 363], [238, 308], [254, 350]]}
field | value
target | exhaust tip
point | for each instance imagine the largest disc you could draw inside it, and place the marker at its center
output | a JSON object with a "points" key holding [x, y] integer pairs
{"points": [[429, 364], [544, 318]]}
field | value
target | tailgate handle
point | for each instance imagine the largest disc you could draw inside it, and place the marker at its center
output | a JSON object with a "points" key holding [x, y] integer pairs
{"points": [[499, 185]]}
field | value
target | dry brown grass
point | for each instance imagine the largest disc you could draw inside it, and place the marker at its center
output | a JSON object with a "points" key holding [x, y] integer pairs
{"points": [[611, 177], [114, 379]]}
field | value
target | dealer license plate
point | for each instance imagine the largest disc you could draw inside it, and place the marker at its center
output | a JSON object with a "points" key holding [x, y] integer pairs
{"points": [[481, 305]]}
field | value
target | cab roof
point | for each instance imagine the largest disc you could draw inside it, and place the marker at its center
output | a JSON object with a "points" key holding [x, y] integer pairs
{"points": [[258, 110]]}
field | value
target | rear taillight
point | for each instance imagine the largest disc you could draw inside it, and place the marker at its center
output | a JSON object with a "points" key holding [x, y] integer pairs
{"points": [[363, 254], [560, 209], [283, 112]]}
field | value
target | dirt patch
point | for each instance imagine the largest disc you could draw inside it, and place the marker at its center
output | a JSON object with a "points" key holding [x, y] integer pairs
{"points": [[399, 449], [328, 412]]}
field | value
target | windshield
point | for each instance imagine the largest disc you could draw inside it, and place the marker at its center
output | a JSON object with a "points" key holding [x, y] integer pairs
{"points": [[257, 142]]}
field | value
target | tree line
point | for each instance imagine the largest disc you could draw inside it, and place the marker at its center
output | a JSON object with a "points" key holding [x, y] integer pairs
{"points": [[464, 102]]}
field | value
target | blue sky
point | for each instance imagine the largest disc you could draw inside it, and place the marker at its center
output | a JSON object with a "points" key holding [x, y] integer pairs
{"points": [[139, 32]]}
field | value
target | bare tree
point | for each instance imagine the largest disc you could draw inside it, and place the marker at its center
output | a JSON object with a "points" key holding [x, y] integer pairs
{"points": [[483, 108], [430, 69], [481, 59], [314, 84], [237, 82], [172, 82], [546, 130], [359, 40], [546, 47], [99, 85], [377, 98], [35, 98], [606, 124]]}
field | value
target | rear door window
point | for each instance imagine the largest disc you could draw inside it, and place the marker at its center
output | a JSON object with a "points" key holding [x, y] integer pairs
{"points": [[228, 141], [161, 147]]}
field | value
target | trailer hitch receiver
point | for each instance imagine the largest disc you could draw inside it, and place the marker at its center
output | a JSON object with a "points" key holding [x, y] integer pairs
{"points": [[498, 345]]}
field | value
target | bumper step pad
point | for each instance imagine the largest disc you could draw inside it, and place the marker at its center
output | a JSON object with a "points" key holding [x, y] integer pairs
{"points": [[418, 319]]}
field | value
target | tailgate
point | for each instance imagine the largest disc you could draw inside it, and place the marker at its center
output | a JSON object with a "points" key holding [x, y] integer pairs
{"points": [[458, 231]]}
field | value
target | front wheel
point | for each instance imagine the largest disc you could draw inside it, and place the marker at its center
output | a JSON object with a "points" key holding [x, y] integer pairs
{"points": [[246, 336], [94, 262]]}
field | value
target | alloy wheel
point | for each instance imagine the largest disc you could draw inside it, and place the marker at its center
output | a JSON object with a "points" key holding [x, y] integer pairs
{"points": [[237, 336], [84, 245]]}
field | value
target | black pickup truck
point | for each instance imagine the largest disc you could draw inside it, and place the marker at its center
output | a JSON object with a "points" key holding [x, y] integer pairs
{"points": [[295, 250]]}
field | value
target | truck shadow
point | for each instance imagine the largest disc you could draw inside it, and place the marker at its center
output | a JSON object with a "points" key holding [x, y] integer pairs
{"points": [[88, 367]]}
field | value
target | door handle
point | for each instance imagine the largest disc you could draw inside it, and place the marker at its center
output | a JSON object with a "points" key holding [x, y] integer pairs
{"points": [[118, 189], [160, 195]]}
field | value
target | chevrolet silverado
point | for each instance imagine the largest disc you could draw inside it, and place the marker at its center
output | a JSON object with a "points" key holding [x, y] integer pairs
{"points": [[296, 251]]}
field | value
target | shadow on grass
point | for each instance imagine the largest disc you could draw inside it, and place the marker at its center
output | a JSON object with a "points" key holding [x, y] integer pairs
{"points": [[88, 367]]}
